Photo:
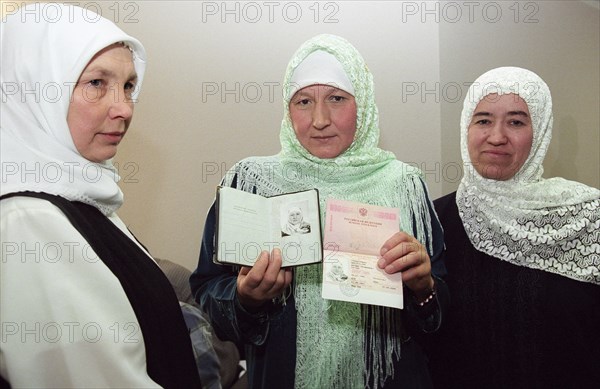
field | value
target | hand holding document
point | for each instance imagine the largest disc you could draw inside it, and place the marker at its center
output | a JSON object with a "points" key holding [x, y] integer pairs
{"points": [[354, 234]]}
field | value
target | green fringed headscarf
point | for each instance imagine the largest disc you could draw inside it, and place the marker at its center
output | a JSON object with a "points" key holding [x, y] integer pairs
{"points": [[339, 344]]}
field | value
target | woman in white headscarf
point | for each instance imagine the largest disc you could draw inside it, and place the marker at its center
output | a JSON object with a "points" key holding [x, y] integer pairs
{"points": [[329, 140], [523, 252], [82, 302]]}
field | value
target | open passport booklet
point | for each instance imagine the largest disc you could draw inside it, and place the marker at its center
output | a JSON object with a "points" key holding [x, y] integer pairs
{"points": [[248, 224], [354, 233]]}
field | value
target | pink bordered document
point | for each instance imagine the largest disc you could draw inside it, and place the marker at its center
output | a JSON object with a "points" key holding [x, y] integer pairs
{"points": [[354, 234]]}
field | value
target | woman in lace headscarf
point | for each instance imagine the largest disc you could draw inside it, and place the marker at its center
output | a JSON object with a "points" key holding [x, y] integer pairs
{"points": [[82, 303], [329, 137], [523, 252]]}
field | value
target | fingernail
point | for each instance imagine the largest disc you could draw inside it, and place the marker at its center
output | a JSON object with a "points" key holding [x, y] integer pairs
{"points": [[381, 263]]}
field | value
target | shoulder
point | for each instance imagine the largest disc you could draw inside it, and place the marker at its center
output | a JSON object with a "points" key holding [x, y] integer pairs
{"points": [[256, 163], [406, 170], [36, 236], [252, 166], [31, 217], [252, 173], [24, 208], [401, 174]]}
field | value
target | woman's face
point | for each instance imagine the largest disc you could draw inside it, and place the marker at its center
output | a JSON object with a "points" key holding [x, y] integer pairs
{"points": [[500, 136], [324, 119], [101, 106], [295, 216]]}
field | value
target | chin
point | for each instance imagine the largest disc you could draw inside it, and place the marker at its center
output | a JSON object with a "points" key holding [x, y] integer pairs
{"points": [[326, 154], [100, 158], [495, 173]]}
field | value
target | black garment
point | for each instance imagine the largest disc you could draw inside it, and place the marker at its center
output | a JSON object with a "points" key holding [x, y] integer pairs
{"points": [[510, 326], [269, 337], [169, 356]]}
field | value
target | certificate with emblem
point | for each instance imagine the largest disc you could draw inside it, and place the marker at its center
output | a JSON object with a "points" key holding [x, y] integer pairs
{"points": [[354, 234]]}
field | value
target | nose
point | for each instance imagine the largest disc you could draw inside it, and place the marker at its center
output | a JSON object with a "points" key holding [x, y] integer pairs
{"points": [[321, 116], [497, 135], [122, 106]]}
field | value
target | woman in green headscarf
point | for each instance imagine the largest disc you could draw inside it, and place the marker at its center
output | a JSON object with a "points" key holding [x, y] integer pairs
{"points": [[329, 136]]}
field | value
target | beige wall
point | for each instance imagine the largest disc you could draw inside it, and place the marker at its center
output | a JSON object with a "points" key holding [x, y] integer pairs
{"points": [[212, 93]]}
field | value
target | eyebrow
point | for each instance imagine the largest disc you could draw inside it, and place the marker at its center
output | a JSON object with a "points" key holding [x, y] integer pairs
{"points": [[509, 113], [518, 113], [329, 90], [110, 74], [302, 93]]}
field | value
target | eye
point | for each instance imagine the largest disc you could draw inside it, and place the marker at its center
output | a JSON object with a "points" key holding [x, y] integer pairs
{"points": [[337, 98], [516, 123], [482, 122], [93, 89], [96, 83], [129, 88], [302, 102]]}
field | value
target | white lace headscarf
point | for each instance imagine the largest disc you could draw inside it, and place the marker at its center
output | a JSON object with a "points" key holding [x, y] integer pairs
{"points": [[546, 224], [335, 339], [44, 49]]}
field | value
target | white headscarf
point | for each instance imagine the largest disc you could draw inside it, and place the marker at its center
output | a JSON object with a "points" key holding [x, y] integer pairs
{"points": [[546, 224], [319, 67], [44, 49]]}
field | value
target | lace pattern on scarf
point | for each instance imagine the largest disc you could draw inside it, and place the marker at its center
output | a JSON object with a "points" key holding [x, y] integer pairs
{"points": [[562, 240]]}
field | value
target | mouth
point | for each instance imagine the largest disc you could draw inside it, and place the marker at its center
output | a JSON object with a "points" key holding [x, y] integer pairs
{"points": [[113, 136], [323, 138], [495, 153]]}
